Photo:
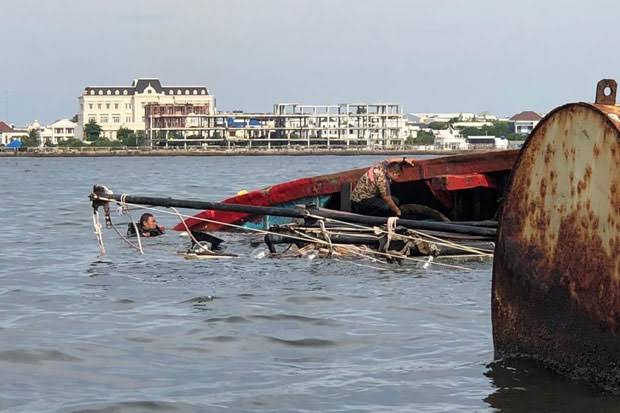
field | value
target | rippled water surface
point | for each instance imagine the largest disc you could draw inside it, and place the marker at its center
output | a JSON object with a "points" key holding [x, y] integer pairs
{"points": [[156, 332]]}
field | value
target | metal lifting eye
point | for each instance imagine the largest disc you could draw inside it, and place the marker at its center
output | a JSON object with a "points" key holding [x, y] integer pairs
{"points": [[606, 92]]}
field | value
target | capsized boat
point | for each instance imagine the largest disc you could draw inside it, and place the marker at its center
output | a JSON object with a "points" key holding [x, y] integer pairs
{"points": [[465, 187]]}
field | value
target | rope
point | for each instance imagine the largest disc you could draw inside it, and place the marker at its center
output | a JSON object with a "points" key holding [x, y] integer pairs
{"points": [[327, 238], [391, 228], [202, 247], [438, 241], [131, 244], [97, 226], [125, 211]]}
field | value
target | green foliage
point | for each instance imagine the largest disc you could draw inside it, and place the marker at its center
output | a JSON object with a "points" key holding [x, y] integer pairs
{"points": [[499, 129], [74, 119], [70, 143], [32, 140], [438, 125], [127, 137], [106, 143], [92, 131], [423, 138]]}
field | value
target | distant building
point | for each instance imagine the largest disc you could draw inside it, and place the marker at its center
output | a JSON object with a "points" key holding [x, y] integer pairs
{"points": [[113, 107], [471, 124], [60, 130], [440, 117], [9, 133], [449, 139], [290, 124], [487, 142], [525, 122]]}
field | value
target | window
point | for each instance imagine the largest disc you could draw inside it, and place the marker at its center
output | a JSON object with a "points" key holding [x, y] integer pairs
{"points": [[107, 106], [124, 92], [116, 92], [116, 118], [58, 130], [171, 92], [127, 105], [128, 119], [100, 92], [92, 92], [92, 119], [90, 106], [116, 106], [109, 92], [70, 131], [98, 105], [103, 118]]}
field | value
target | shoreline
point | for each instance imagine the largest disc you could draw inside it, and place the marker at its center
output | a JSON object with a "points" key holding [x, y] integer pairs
{"points": [[74, 153]]}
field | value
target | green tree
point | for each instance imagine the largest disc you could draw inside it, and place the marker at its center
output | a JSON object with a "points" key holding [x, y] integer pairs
{"points": [[92, 131], [438, 125], [499, 129], [126, 137], [32, 140], [423, 138], [74, 119]]}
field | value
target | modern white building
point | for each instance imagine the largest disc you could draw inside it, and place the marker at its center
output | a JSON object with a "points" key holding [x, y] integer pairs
{"points": [[113, 107], [525, 122]]}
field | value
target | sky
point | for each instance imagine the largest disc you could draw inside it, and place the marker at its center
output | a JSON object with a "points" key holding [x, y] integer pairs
{"points": [[498, 56]]}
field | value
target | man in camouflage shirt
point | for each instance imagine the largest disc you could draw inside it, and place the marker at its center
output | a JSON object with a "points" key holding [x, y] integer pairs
{"points": [[372, 195]]}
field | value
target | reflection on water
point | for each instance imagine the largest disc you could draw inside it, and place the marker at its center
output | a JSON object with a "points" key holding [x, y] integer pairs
{"points": [[132, 333], [524, 386]]}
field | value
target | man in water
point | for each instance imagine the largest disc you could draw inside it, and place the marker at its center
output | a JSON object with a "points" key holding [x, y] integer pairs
{"points": [[372, 195], [147, 227]]}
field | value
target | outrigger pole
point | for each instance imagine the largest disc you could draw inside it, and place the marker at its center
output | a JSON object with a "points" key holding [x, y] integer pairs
{"points": [[101, 196]]}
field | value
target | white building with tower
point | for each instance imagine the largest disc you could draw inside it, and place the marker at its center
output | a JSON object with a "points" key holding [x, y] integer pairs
{"points": [[113, 107]]}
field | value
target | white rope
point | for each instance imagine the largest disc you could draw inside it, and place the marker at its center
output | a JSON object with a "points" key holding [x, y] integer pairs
{"points": [[125, 211], [189, 233], [97, 226], [391, 228], [437, 240], [327, 237]]}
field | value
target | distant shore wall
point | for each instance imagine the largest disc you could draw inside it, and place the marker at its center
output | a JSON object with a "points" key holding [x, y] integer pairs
{"points": [[108, 152]]}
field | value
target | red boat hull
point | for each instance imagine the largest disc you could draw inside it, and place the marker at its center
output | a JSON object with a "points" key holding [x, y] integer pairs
{"points": [[443, 177]]}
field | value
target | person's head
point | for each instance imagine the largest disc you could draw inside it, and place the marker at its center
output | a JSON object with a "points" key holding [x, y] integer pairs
{"points": [[148, 221], [394, 170]]}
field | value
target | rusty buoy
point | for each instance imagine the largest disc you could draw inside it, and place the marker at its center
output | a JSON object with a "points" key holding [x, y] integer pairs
{"points": [[556, 273]]}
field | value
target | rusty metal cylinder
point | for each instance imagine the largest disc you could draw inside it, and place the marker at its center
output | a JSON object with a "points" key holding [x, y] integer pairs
{"points": [[556, 273]]}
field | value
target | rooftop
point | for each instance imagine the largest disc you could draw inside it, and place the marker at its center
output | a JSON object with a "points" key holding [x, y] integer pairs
{"points": [[526, 116], [5, 127], [141, 84]]}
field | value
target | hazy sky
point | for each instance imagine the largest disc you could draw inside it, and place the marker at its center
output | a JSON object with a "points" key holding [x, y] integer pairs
{"points": [[501, 56]]}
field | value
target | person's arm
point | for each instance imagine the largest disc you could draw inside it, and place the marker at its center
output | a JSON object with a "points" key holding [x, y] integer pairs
{"points": [[386, 194], [390, 202]]}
